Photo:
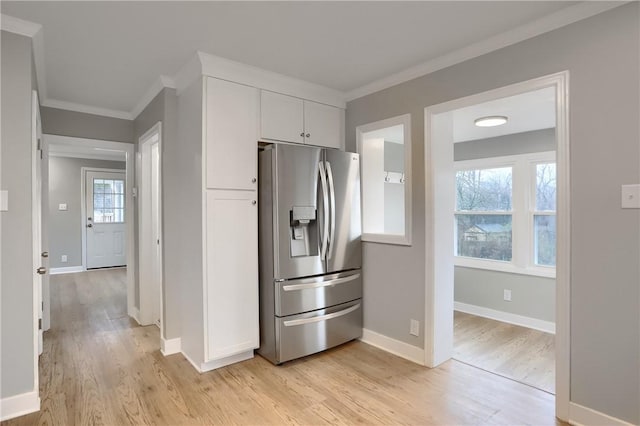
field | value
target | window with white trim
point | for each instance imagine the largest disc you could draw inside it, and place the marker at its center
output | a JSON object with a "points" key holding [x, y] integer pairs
{"points": [[505, 215]]}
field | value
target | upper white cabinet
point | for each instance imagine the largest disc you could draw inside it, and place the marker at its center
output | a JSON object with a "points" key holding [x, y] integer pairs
{"points": [[232, 123], [281, 117], [290, 119]]}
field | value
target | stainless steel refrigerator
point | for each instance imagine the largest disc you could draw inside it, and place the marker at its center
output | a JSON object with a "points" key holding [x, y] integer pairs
{"points": [[310, 250]]}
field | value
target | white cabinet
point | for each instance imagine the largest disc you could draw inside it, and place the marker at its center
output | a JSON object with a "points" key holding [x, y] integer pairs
{"points": [[290, 119], [232, 273], [232, 114]]}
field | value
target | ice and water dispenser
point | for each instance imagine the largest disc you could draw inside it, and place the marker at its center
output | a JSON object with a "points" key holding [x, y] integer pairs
{"points": [[304, 231]]}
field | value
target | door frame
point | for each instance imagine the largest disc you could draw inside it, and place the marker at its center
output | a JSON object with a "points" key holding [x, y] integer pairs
{"points": [[83, 206], [82, 144], [439, 226], [146, 285]]}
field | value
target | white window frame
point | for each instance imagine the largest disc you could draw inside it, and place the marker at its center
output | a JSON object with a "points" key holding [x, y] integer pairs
{"points": [[523, 198]]}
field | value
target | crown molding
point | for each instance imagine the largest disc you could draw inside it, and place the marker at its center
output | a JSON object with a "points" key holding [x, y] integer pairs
{"points": [[19, 26], [566, 16], [158, 85], [87, 109]]}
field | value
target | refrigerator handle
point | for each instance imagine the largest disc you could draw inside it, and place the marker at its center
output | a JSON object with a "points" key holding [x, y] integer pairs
{"points": [[332, 191], [325, 210]]}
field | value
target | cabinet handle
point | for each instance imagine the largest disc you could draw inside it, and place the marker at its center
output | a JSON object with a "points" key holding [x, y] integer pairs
{"points": [[302, 134], [253, 202], [253, 180], [308, 134]]}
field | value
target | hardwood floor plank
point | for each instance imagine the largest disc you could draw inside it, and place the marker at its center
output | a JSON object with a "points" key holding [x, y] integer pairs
{"points": [[100, 367]]}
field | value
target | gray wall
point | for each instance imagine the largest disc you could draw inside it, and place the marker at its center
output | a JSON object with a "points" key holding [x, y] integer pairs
{"points": [[164, 108], [16, 268], [532, 296], [65, 227], [602, 56], [82, 125]]}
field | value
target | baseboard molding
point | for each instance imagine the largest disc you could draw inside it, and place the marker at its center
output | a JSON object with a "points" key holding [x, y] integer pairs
{"points": [[19, 405], [66, 270], [134, 313], [171, 346], [212, 365], [396, 347], [583, 416], [521, 320]]}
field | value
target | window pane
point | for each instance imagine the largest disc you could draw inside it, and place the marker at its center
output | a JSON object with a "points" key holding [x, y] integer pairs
{"points": [[119, 187], [546, 187], [98, 216], [119, 215], [484, 236], [98, 201], [484, 190], [119, 200], [98, 186], [545, 239]]}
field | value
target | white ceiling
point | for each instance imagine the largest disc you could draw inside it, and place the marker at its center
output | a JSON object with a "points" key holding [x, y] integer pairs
{"points": [[107, 55], [528, 111]]}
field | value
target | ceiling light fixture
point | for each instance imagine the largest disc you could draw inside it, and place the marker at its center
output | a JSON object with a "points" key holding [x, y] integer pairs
{"points": [[490, 121]]}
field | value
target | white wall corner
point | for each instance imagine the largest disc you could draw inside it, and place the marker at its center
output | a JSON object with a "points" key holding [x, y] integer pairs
{"points": [[171, 346], [19, 405], [160, 83], [584, 416], [188, 73], [396, 347]]}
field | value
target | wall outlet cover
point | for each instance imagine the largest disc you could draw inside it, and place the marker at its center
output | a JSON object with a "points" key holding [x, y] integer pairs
{"points": [[631, 196], [62, 206], [414, 328], [507, 295], [63, 258], [4, 201]]}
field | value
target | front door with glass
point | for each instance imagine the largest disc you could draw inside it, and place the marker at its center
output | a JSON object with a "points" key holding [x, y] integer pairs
{"points": [[104, 219]]}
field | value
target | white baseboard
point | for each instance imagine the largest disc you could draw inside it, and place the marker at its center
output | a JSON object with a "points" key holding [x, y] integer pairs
{"points": [[170, 346], [212, 365], [396, 347], [521, 320], [19, 405], [134, 313], [583, 416], [66, 270]]}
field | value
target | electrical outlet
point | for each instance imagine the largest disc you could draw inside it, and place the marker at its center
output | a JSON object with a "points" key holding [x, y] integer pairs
{"points": [[507, 295], [63, 258], [414, 328]]}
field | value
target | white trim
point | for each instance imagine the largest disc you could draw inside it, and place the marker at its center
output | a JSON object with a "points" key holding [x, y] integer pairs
{"points": [[396, 347], [212, 365], [561, 18], [19, 26], [67, 270], [438, 283], [405, 121], [584, 416], [170, 346], [158, 85], [19, 405], [145, 284], [134, 313], [87, 109], [515, 319]]}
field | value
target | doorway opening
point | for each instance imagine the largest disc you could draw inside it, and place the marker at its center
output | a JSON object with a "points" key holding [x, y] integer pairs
{"points": [[490, 250]]}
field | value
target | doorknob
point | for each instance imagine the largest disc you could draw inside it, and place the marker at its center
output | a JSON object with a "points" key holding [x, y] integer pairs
{"points": [[41, 270], [45, 254], [90, 226]]}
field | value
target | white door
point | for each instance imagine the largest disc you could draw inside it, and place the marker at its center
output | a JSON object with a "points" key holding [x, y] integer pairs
{"points": [[150, 227], [36, 198], [104, 224]]}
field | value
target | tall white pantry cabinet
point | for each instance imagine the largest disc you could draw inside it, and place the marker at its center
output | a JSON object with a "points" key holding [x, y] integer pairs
{"points": [[219, 121], [224, 109]]}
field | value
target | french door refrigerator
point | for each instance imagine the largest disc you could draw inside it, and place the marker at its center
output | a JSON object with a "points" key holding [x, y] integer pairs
{"points": [[310, 250]]}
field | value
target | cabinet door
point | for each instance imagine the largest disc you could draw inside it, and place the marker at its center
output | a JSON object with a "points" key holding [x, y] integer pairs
{"points": [[281, 117], [232, 273], [232, 116], [324, 125]]}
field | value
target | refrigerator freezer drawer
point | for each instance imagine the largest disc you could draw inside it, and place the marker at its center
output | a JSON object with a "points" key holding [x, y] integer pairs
{"points": [[308, 294], [305, 334]]}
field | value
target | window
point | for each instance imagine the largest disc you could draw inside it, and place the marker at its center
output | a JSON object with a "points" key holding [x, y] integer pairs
{"points": [[505, 216], [385, 162], [108, 201]]}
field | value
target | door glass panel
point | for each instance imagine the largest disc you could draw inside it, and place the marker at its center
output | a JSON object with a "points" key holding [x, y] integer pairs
{"points": [[108, 200]]}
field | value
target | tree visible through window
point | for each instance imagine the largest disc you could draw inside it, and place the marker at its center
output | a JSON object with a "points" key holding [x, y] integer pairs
{"points": [[108, 201], [544, 216]]}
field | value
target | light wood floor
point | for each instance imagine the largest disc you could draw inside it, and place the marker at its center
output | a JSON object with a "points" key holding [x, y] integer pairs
{"points": [[520, 353], [99, 367]]}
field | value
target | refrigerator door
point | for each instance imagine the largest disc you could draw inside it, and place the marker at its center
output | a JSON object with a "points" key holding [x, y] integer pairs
{"points": [[343, 177], [300, 200]]}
